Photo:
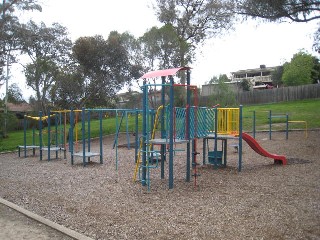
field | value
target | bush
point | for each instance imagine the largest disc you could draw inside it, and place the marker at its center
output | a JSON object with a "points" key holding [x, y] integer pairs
{"points": [[12, 122]]}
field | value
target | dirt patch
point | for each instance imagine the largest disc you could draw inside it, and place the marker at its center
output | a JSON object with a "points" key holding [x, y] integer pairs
{"points": [[297, 161], [264, 201]]}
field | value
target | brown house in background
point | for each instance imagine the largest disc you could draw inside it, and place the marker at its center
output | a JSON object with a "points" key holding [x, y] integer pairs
{"points": [[19, 109]]}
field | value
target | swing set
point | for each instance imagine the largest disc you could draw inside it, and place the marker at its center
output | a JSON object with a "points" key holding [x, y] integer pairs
{"points": [[56, 137]]}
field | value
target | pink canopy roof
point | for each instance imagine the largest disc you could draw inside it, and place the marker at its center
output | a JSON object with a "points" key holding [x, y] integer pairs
{"points": [[165, 72]]}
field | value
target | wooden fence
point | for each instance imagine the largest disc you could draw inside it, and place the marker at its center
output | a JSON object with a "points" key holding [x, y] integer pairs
{"points": [[274, 95], [279, 94]]}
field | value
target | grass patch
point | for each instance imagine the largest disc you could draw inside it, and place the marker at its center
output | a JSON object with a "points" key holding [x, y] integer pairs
{"points": [[304, 110]]}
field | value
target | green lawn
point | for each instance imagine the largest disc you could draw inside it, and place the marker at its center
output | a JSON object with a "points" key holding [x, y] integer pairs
{"points": [[305, 110]]}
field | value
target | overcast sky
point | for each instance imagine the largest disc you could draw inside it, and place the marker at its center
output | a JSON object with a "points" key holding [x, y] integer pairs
{"points": [[249, 46]]}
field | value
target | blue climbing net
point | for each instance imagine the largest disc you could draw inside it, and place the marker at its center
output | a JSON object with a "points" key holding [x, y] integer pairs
{"points": [[201, 122]]}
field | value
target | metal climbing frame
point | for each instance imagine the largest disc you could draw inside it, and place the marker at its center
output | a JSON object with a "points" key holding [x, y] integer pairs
{"points": [[170, 135]]}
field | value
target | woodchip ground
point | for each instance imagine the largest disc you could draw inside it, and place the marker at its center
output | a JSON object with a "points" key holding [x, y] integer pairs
{"points": [[263, 201]]}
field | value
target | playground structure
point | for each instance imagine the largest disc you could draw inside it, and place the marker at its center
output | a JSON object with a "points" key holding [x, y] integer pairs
{"points": [[56, 138], [257, 148], [168, 136], [86, 154], [178, 126], [54, 135], [283, 117], [187, 125]]}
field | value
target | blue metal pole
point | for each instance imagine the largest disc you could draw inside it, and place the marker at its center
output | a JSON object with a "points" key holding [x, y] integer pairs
{"points": [[49, 134], [25, 136], [254, 124], [163, 131], [152, 120], [83, 120], [204, 144], [116, 138], [127, 131], [61, 140], [71, 134], [287, 125], [56, 132], [188, 165], [40, 133], [136, 149], [33, 140], [144, 132], [270, 123], [100, 134], [171, 134], [215, 136], [89, 132], [240, 139]]}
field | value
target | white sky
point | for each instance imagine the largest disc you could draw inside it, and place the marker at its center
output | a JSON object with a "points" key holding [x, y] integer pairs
{"points": [[249, 46]]}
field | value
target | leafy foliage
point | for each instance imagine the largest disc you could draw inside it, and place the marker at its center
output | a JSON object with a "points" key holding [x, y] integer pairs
{"points": [[160, 46], [316, 40], [14, 94], [315, 73], [276, 76], [68, 91], [106, 65], [281, 10], [193, 21], [223, 95], [245, 85], [299, 70], [11, 123], [48, 49], [278, 10], [10, 29], [221, 78]]}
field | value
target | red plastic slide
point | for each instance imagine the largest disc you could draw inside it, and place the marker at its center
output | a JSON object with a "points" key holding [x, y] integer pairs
{"points": [[257, 148]]}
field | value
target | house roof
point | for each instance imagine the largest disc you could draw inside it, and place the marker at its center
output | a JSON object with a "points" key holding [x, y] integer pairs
{"points": [[254, 70], [21, 107]]}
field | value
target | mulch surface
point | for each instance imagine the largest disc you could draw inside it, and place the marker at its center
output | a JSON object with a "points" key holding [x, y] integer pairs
{"points": [[263, 201]]}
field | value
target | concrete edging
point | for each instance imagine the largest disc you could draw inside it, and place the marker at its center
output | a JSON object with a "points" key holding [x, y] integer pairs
{"points": [[56, 226]]}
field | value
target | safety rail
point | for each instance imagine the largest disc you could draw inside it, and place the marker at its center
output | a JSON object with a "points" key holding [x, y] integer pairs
{"points": [[228, 121]]}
